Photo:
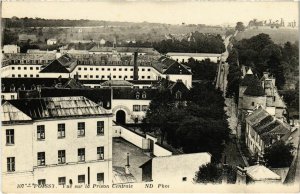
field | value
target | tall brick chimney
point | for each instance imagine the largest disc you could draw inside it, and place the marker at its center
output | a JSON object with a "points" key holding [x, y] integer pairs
{"points": [[135, 67]]}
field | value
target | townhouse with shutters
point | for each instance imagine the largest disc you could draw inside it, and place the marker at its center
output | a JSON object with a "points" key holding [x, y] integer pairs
{"points": [[55, 140]]}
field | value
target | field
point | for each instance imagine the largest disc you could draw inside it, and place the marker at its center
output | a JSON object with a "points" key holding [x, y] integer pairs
{"points": [[279, 36]]}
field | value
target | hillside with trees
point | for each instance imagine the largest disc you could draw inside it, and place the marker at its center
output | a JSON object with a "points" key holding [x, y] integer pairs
{"points": [[262, 54]]}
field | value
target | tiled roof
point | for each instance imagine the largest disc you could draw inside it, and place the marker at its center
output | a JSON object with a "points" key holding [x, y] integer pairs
{"points": [[124, 49], [255, 89], [248, 80], [261, 173], [194, 54], [57, 107], [54, 67]]}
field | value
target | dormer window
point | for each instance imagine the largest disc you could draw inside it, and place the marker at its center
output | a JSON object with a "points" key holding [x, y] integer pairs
{"points": [[144, 95], [178, 95], [137, 95]]}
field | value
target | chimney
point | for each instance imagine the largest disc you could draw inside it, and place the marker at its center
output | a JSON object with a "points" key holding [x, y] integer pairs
{"points": [[241, 176], [127, 166], [135, 67]]}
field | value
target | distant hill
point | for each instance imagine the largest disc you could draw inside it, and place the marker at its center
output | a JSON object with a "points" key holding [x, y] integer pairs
{"points": [[279, 36]]}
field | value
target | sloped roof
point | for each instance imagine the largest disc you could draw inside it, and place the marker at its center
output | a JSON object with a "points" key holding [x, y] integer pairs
{"points": [[116, 83], [178, 86], [261, 173], [73, 83], [194, 54], [248, 80], [55, 67], [255, 89], [57, 107], [169, 66]]}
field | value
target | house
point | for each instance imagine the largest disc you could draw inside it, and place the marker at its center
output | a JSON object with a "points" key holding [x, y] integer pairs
{"points": [[55, 140], [27, 37], [174, 168], [11, 49], [263, 129], [256, 174], [51, 41], [183, 57]]}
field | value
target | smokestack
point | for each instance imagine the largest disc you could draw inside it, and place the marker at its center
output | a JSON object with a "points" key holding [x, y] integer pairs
{"points": [[135, 67], [127, 165]]}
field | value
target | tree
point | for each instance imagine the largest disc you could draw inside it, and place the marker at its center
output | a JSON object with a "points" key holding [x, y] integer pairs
{"points": [[240, 26], [279, 154], [213, 173]]}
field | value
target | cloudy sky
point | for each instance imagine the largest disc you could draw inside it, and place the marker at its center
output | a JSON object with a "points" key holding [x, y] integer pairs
{"points": [[172, 12]]}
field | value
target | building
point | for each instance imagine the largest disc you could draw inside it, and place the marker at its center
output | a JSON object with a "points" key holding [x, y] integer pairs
{"points": [[174, 168], [27, 37], [254, 92], [51, 41], [263, 129], [122, 50], [97, 67], [56, 140], [11, 49], [183, 57], [256, 174]]}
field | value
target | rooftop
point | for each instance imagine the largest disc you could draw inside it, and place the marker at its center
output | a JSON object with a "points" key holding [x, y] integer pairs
{"points": [[194, 54], [261, 173]]}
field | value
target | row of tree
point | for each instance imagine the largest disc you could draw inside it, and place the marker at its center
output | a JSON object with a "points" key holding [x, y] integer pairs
{"points": [[199, 126], [196, 43], [261, 54], [202, 70]]}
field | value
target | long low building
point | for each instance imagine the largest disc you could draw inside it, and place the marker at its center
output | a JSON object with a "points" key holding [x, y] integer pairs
{"points": [[183, 57]]}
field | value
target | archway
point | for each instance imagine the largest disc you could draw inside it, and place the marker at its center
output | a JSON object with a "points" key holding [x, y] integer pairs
{"points": [[120, 117]]}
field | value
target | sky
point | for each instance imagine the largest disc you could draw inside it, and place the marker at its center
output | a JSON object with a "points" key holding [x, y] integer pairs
{"points": [[171, 12]]}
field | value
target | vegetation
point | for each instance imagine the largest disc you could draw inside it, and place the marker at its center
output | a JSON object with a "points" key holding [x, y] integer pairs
{"points": [[202, 70], [197, 43], [262, 54], [213, 173], [200, 126], [279, 155], [240, 26]]}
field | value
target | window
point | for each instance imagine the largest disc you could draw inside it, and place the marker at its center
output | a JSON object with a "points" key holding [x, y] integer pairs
{"points": [[79, 76], [143, 77], [125, 69], [37, 68], [25, 68], [120, 76], [183, 178], [81, 129], [114, 76], [25, 75], [136, 108], [120, 69], [79, 68], [10, 164], [144, 108], [81, 178], [148, 77], [85, 69], [97, 76], [143, 69], [61, 156], [100, 178], [97, 69], [41, 181], [100, 127], [144, 95], [31, 75], [81, 154], [12, 97], [19, 75], [91, 69], [137, 95], [108, 69], [40, 132], [13, 68], [252, 103], [149, 69], [10, 136], [102, 69], [114, 69], [13, 75], [19, 68], [85, 76], [61, 180], [102, 76], [2, 97], [131, 69], [91, 76], [100, 153], [31, 68], [178, 95], [41, 159], [37, 75], [131, 76]]}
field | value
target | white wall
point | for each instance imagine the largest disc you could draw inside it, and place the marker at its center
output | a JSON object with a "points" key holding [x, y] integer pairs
{"points": [[186, 79], [20, 70], [160, 151], [9, 95]]}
